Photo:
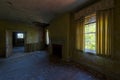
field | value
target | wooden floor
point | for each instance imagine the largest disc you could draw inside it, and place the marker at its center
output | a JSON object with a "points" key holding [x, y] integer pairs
{"points": [[38, 66]]}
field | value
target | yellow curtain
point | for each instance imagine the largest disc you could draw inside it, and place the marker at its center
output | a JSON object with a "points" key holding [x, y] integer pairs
{"points": [[80, 35], [104, 32]]}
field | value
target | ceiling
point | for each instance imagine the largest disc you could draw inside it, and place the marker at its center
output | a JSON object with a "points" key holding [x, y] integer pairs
{"points": [[37, 10]]}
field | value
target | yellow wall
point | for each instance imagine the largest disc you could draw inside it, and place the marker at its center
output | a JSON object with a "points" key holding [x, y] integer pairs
{"points": [[117, 30], [32, 33], [59, 33], [63, 28], [110, 67]]}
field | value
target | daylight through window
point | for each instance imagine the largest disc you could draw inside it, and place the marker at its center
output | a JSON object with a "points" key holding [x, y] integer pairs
{"points": [[20, 35], [90, 34]]}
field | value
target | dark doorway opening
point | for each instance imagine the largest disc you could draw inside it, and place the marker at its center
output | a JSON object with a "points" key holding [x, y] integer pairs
{"points": [[18, 42]]}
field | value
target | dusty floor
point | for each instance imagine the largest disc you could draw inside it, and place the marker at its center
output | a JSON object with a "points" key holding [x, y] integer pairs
{"points": [[38, 66]]}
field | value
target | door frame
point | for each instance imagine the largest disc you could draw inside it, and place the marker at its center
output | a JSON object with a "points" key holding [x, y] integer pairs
{"points": [[9, 52], [8, 43]]}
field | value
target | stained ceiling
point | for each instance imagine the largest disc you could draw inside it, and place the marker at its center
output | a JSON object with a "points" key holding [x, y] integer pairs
{"points": [[37, 10]]}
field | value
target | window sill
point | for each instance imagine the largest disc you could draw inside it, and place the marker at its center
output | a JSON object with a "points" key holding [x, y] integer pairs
{"points": [[90, 53], [96, 55]]}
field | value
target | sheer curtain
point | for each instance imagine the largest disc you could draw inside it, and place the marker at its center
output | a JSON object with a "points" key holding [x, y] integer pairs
{"points": [[104, 32], [80, 35]]}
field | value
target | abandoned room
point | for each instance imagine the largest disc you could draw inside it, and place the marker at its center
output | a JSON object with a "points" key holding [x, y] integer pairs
{"points": [[59, 39]]}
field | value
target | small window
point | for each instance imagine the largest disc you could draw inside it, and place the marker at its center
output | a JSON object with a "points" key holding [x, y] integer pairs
{"points": [[47, 37], [90, 34], [20, 35]]}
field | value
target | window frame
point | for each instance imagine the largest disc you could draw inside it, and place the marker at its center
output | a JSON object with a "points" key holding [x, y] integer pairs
{"points": [[88, 24]]}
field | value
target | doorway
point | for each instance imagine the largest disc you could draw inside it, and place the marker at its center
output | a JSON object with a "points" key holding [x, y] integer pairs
{"points": [[18, 42], [15, 43]]}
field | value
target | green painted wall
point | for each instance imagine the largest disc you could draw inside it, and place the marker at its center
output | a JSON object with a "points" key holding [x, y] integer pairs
{"points": [[32, 33]]}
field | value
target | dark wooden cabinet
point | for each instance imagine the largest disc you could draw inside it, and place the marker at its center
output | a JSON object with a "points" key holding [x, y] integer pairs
{"points": [[57, 50]]}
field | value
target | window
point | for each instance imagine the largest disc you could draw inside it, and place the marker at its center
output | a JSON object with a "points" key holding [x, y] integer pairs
{"points": [[20, 35], [90, 34], [94, 33], [47, 37]]}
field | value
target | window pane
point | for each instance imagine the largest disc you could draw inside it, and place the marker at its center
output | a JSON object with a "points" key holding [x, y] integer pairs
{"points": [[92, 27], [90, 33], [90, 37], [20, 35], [90, 42]]}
